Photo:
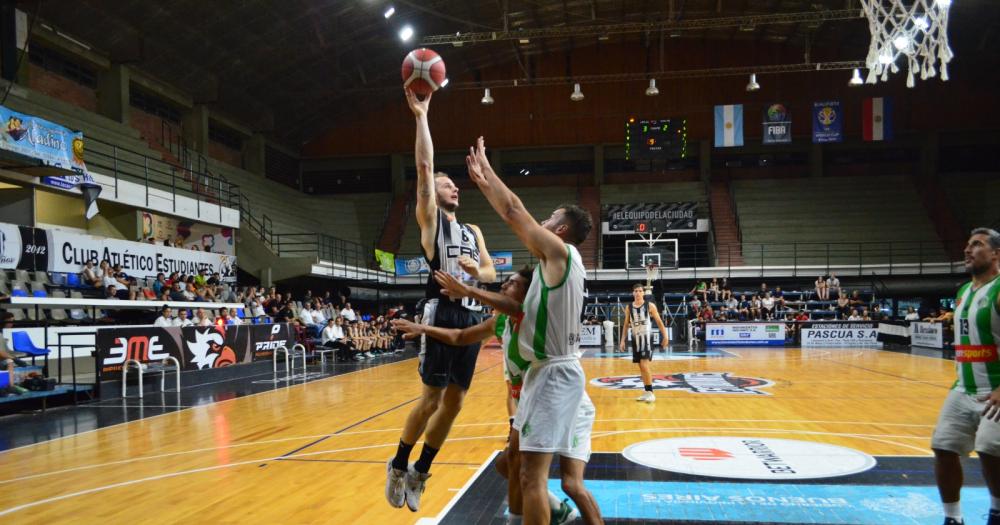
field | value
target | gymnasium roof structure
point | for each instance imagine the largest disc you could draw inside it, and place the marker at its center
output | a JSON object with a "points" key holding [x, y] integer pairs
{"points": [[290, 68]]}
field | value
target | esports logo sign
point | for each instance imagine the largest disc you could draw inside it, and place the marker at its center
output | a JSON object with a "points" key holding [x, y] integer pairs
{"points": [[697, 382], [265, 344], [141, 347], [209, 349], [749, 458]]}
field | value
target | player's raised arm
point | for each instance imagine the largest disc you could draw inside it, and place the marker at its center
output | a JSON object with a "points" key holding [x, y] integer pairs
{"points": [[454, 288], [424, 157], [540, 242], [450, 336]]}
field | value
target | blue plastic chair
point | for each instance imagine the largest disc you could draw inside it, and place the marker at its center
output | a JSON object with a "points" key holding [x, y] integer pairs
{"points": [[59, 279], [72, 280], [39, 293], [22, 343], [17, 292]]}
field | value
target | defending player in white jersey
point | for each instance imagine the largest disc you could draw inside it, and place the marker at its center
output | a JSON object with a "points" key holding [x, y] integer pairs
{"points": [[555, 415], [460, 250], [638, 315]]}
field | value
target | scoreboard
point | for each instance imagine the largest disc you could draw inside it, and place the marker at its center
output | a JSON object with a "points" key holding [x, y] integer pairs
{"points": [[659, 139]]}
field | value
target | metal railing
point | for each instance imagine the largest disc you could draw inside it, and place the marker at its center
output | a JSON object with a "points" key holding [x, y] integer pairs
{"points": [[123, 164]]}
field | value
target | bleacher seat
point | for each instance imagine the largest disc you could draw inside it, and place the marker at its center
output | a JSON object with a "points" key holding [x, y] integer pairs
{"points": [[18, 292], [22, 343], [78, 314], [42, 277], [58, 279], [21, 275], [73, 280]]}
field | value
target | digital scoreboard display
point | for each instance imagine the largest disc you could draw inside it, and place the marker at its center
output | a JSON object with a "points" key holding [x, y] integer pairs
{"points": [[660, 139]]}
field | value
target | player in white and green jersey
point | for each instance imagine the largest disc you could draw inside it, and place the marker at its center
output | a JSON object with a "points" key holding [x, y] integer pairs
{"points": [[555, 415], [970, 417]]}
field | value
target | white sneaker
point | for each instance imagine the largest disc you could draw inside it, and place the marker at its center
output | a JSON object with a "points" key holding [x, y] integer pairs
{"points": [[646, 396], [561, 511], [394, 492], [369, 355], [414, 487]]}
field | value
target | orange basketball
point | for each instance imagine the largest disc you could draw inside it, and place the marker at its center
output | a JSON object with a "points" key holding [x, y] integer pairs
{"points": [[423, 71]]}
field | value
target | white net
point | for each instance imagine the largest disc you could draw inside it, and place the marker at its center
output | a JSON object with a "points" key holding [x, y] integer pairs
{"points": [[913, 30], [651, 272]]}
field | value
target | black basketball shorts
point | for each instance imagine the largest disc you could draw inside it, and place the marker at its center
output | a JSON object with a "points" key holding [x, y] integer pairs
{"points": [[441, 364], [641, 349]]}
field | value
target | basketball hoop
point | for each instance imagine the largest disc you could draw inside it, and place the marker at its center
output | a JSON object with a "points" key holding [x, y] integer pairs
{"points": [[914, 29], [651, 269]]}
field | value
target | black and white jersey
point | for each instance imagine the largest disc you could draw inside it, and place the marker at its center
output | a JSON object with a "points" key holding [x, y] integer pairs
{"points": [[639, 322], [452, 240]]}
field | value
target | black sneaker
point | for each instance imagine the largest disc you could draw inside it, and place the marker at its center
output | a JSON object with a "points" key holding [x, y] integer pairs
{"points": [[953, 521], [994, 517], [18, 362]]}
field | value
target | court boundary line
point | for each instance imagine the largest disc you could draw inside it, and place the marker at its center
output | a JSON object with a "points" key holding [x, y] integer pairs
{"points": [[214, 403], [461, 492]]}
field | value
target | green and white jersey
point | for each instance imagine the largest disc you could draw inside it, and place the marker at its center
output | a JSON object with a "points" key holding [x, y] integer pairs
{"points": [[977, 331], [514, 366], [550, 328]]}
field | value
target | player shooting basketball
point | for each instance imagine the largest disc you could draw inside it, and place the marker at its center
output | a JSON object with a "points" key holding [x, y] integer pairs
{"points": [[458, 250], [637, 317]]}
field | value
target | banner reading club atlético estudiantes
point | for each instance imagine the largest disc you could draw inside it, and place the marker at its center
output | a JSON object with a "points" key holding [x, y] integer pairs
{"points": [[39, 249]]}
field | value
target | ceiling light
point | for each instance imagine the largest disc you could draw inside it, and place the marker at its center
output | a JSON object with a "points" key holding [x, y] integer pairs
{"points": [[651, 91], [753, 85], [856, 78], [577, 94], [406, 33], [487, 98], [523, 41], [389, 12]]}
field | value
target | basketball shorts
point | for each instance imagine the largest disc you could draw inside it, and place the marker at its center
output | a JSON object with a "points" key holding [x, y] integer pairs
{"points": [[555, 413], [962, 429], [642, 348], [441, 364]]}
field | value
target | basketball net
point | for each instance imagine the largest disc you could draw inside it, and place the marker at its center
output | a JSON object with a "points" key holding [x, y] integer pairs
{"points": [[651, 266], [914, 29]]}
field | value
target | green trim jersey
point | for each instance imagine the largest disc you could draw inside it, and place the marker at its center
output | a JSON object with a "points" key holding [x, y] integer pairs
{"points": [[550, 328], [977, 331], [514, 366]]}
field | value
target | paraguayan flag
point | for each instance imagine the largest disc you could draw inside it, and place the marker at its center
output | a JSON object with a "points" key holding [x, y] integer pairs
{"points": [[729, 126]]}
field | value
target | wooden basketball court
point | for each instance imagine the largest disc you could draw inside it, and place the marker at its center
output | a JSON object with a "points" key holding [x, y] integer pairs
{"points": [[316, 452]]}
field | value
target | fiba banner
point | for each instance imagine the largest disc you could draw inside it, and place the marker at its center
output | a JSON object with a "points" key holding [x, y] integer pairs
{"points": [[827, 122], [193, 235], [70, 251], [411, 266], [194, 347], [664, 217], [745, 334], [835, 333], [54, 146], [777, 125], [930, 335]]}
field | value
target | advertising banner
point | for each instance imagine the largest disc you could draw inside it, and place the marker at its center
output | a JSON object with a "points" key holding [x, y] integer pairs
{"points": [[194, 347], [666, 217], [930, 335], [827, 122], [777, 125], [193, 235], [590, 335], [835, 333], [745, 334], [50, 143], [503, 261], [411, 266]]}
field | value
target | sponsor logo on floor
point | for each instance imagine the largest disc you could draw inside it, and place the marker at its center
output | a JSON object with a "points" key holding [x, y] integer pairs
{"points": [[696, 382]]}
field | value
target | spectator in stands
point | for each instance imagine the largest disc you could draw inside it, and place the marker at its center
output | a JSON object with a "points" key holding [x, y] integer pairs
{"points": [[202, 278], [911, 314], [91, 275], [856, 300], [802, 316], [177, 292], [111, 292], [732, 304], [833, 284], [694, 307], [714, 289], [234, 316], [167, 241], [201, 318], [307, 320], [257, 309], [822, 292], [328, 298], [165, 319], [222, 318], [763, 289], [214, 280], [182, 318], [723, 313], [159, 284], [744, 308], [779, 298], [727, 291], [191, 293], [318, 316], [706, 314], [791, 327], [843, 306], [284, 314], [767, 306], [945, 316], [700, 289], [348, 314], [854, 315], [756, 307], [333, 337], [119, 287]]}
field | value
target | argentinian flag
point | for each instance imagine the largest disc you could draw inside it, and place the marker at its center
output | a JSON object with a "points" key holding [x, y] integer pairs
{"points": [[729, 126]]}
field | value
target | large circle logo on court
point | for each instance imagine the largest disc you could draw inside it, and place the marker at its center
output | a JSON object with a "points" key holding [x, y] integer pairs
{"points": [[749, 458]]}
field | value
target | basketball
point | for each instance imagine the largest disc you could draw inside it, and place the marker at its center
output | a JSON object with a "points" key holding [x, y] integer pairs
{"points": [[423, 71]]}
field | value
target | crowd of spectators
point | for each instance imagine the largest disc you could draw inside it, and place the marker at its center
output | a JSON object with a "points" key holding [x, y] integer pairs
{"points": [[716, 301]]}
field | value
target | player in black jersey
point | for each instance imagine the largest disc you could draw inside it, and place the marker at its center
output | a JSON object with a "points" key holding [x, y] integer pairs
{"points": [[639, 315], [446, 371]]}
